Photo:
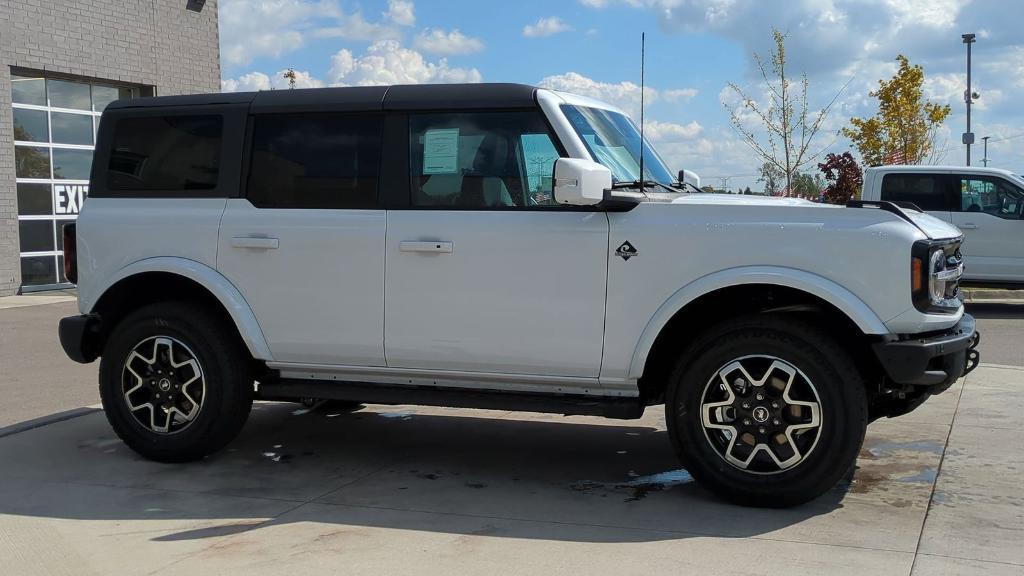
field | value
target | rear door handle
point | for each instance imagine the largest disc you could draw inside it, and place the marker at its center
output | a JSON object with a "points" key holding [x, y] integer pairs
{"points": [[968, 226], [255, 242], [439, 247]]}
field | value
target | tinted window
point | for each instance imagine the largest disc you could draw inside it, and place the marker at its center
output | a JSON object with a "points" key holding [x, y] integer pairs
{"points": [[927, 191], [30, 125], [166, 153], [25, 90], [34, 199], [481, 160], [315, 161], [36, 235], [38, 270], [31, 162], [72, 128], [993, 196], [71, 164]]}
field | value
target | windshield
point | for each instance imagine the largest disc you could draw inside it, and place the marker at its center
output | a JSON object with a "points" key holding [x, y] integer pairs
{"points": [[613, 140]]}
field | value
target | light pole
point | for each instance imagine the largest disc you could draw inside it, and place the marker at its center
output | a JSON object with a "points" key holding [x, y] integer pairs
{"points": [[968, 137], [984, 139]]}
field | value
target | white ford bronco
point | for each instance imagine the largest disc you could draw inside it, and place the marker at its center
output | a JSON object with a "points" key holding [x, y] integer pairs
{"points": [[494, 246]]}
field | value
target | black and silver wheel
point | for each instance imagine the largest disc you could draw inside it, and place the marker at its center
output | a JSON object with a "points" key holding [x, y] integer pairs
{"points": [[174, 382], [767, 411]]}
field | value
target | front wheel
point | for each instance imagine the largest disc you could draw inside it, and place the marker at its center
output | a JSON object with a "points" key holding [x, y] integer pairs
{"points": [[174, 382], [767, 411]]}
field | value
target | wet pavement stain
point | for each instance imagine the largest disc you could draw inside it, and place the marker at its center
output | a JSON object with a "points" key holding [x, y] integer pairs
{"points": [[639, 486]]}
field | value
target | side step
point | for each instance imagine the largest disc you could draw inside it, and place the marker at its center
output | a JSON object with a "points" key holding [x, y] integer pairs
{"points": [[373, 393]]}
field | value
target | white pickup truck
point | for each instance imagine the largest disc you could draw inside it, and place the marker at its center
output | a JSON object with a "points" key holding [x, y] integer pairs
{"points": [[987, 204], [494, 246]]}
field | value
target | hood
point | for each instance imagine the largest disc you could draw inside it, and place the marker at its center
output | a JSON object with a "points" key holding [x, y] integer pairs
{"points": [[746, 200], [932, 227]]}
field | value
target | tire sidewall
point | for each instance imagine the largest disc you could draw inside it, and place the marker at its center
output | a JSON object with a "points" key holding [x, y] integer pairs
{"points": [[210, 354], [840, 395]]}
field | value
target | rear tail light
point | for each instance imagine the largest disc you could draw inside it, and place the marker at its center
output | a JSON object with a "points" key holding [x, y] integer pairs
{"points": [[70, 253]]}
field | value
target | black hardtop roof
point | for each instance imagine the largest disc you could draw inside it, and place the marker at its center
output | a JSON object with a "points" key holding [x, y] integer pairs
{"points": [[357, 98]]}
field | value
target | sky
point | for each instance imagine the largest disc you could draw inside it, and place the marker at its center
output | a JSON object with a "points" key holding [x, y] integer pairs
{"points": [[695, 48]]}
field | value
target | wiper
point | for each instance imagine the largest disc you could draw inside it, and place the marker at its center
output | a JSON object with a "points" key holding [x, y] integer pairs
{"points": [[643, 184]]}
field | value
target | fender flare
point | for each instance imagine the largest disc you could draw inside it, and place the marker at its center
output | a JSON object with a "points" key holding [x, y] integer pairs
{"points": [[221, 288], [847, 302]]}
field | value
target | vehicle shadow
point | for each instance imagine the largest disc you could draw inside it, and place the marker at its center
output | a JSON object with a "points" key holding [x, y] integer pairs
{"points": [[435, 469]]}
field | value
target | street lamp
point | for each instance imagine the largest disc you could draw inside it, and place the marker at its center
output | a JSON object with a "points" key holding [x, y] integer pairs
{"points": [[968, 137]]}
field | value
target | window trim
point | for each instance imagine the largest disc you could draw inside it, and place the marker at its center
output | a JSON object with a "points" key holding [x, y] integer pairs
{"points": [[229, 174], [247, 150], [406, 142]]}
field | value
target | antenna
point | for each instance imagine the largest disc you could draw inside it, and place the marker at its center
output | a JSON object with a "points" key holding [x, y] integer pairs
{"points": [[643, 46]]}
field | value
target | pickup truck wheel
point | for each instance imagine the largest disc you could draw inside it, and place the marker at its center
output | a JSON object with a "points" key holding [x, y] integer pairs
{"points": [[174, 382], [767, 411]]}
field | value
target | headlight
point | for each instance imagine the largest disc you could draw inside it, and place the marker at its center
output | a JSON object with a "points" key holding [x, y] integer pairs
{"points": [[935, 276]]}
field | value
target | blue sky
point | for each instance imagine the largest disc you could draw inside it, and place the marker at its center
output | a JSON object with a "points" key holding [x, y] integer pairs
{"points": [[694, 49]]}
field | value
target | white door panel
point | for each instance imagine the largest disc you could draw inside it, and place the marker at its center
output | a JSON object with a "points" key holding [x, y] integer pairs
{"points": [[993, 247], [496, 291], [314, 279]]}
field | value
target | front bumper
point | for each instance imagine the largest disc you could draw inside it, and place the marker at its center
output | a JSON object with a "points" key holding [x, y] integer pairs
{"points": [[934, 360], [79, 336]]}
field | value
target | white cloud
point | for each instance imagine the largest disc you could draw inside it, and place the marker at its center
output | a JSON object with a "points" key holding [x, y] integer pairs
{"points": [[656, 131], [679, 94], [437, 41], [547, 26], [255, 28], [255, 81], [401, 12], [354, 27], [387, 62]]}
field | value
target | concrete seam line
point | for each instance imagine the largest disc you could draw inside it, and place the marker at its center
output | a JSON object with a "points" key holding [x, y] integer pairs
{"points": [[45, 421]]}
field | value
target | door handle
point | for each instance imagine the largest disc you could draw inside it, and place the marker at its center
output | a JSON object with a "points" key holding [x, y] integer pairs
{"points": [[439, 247], [255, 242], [968, 226]]}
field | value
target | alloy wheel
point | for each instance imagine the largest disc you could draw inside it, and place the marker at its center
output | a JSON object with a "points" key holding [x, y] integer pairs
{"points": [[163, 384]]}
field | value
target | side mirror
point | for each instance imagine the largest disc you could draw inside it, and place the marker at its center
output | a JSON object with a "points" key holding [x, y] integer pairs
{"points": [[580, 182]]}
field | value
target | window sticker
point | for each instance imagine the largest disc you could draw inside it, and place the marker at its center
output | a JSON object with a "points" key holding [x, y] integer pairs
{"points": [[441, 151]]}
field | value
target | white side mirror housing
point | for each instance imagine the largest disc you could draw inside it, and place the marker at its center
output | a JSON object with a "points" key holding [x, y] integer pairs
{"points": [[580, 182]]}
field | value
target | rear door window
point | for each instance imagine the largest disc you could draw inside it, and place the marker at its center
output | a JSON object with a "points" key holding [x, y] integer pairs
{"points": [[927, 191], [315, 160], [173, 152]]}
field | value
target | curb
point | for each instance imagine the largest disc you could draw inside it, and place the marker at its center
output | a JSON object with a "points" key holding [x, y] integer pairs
{"points": [[972, 295], [46, 421]]}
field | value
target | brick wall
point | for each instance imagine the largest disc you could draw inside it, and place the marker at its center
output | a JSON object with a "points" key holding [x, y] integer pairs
{"points": [[155, 43]]}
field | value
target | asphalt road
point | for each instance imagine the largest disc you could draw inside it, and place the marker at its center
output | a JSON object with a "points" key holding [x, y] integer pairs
{"points": [[37, 379]]}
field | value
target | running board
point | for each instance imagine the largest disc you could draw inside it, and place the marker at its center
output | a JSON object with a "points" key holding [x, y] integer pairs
{"points": [[371, 393]]}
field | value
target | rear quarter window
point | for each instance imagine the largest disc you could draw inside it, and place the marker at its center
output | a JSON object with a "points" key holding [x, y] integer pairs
{"points": [[927, 191], [166, 153]]}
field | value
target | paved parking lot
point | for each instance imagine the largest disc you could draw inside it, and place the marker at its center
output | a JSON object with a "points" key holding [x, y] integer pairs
{"points": [[387, 490]]}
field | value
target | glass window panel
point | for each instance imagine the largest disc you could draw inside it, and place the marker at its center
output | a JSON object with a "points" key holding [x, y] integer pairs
{"points": [[71, 164], [34, 199], [315, 161], [166, 153], [25, 90], [36, 235], [60, 233], [927, 191], [476, 160], [67, 94], [71, 128], [104, 95], [30, 125], [31, 162], [38, 270]]}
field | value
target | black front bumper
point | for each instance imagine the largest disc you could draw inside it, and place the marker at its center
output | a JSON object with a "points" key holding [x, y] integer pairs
{"points": [[80, 337], [934, 360]]}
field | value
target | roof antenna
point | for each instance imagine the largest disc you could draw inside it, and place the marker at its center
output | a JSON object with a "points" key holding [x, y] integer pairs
{"points": [[643, 45]]}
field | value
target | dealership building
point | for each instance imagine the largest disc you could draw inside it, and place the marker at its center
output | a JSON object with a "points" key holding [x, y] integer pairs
{"points": [[61, 63]]}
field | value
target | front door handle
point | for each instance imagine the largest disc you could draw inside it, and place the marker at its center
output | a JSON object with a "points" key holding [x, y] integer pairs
{"points": [[438, 247], [255, 242], [968, 226]]}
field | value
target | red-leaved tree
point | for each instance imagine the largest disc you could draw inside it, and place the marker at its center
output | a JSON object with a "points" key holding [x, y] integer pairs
{"points": [[843, 176]]}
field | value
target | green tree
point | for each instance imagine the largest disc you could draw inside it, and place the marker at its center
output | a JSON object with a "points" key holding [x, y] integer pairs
{"points": [[804, 186], [788, 124], [708, 188], [772, 177], [904, 128]]}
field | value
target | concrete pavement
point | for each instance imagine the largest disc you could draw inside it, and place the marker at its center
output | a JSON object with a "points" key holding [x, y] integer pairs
{"points": [[387, 490]]}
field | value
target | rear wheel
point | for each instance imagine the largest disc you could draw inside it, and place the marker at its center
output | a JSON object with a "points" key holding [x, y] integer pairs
{"points": [[767, 411], [174, 382]]}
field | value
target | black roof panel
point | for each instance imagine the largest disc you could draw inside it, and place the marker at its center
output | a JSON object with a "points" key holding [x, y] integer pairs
{"points": [[358, 98]]}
